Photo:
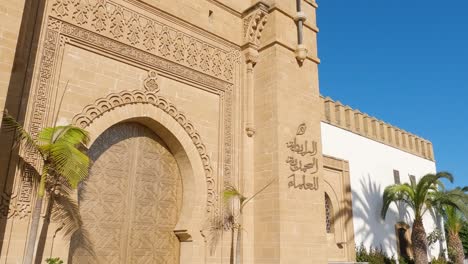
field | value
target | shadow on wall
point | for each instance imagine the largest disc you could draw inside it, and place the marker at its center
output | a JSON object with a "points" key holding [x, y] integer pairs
{"points": [[441, 244], [369, 227]]}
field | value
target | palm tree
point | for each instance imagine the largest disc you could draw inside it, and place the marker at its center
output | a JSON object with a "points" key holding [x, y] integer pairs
{"points": [[420, 197], [231, 220], [64, 165], [454, 220]]}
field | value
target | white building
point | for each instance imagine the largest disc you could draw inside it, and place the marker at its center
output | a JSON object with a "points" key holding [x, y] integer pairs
{"points": [[375, 162]]}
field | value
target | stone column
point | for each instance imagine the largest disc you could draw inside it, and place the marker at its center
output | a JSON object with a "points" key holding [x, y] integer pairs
{"points": [[289, 217]]}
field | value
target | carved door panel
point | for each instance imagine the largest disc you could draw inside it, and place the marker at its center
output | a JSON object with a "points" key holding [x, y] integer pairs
{"points": [[131, 200]]}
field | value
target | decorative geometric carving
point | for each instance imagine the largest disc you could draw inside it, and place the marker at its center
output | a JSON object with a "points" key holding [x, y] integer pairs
{"points": [[165, 42], [118, 23], [217, 62], [150, 36], [100, 15], [192, 58], [121, 23], [112, 101], [143, 57], [20, 204], [61, 7], [132, 219], [205, 58], [80, 15], [179, 48], [255, 19], [133, 34], [150, 83]]}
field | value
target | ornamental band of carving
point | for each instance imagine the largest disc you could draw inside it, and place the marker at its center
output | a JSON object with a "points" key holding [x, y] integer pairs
{"points": [[128, 26], [19, 203], [115, 100]]}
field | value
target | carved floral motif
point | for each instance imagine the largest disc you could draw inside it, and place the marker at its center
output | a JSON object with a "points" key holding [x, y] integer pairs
{"points": [[117, 23], [150, 36], [60, 7], [179, 48], [133, 34], [151, 82], [80, 15], [100, 15], [165, 42], [192, 57]]}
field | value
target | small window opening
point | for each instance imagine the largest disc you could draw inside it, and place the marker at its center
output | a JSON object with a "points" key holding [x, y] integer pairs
{"points": [[329, 214]]}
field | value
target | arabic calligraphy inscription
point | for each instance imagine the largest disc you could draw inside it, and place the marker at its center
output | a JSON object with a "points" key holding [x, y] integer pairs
{"points": [[302, 161]]}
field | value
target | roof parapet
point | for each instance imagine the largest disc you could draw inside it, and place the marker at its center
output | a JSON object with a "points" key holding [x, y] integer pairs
{"points": [[343, 116]]}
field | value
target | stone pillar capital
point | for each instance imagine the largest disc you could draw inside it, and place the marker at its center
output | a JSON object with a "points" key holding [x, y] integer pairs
{"points": [[251, 55]]}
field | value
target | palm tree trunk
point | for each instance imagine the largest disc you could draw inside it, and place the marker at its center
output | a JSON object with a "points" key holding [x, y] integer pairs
{"points": [[238, 245], [31, 245], [233, 233], [419, 240], [455, 247]]}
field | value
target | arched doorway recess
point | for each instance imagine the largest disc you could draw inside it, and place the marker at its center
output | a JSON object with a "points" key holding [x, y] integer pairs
{"points": [[131, 202]]}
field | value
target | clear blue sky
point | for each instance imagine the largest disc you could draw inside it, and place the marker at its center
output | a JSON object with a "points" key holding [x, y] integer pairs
{"points": [[403, 61]]}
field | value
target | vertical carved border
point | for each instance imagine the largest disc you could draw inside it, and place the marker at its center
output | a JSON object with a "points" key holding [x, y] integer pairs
{"points": [[38, 117]]}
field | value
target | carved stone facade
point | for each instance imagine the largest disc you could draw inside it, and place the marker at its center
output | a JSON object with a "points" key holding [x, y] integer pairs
{"points": [[180, 98]]}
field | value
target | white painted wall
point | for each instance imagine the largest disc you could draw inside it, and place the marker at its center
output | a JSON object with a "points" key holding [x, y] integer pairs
{"points": [[371, 170]]}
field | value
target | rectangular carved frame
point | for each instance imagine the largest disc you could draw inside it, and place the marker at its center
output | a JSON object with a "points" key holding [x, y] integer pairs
{"points": [[204, 61]]}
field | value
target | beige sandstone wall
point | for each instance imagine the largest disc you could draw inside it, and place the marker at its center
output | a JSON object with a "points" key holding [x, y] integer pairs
{"points": [[11, 13], [289, 221]]}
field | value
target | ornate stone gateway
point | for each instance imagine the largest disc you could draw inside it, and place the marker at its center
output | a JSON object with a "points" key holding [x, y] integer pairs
{"points": [[130, 204]]}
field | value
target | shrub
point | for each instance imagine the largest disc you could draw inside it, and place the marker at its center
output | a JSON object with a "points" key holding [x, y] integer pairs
{"points": [[54, 261], [403, 260], [373, 256], [440, 260]]}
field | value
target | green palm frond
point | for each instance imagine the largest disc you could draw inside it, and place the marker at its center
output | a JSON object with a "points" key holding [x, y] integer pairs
{"points": [[453, 219], [230, 192], [428, 184], [22, 136], [69, 162], [397, 193], [63, 134], [455, 198]]}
